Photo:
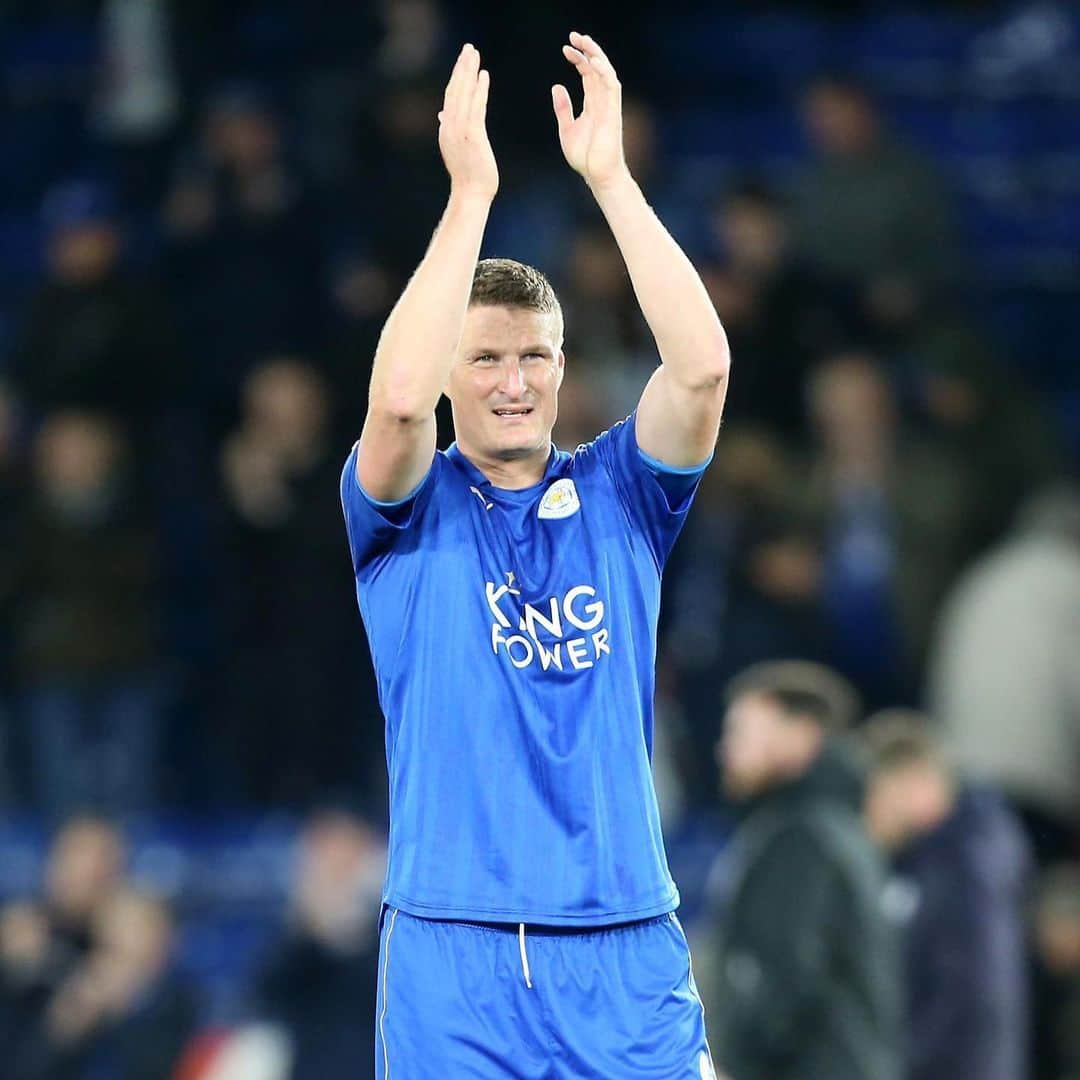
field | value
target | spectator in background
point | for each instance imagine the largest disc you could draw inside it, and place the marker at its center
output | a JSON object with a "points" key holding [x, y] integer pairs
{"points": [[323, 973], [360, 300], [1057, 940], [42, 943], [892, 513], [81, 597], [94, 337], [743, 586], [28, 970], [299, 702], [85, 867], [963, 864], [396, 153], [605, 330], [1005, 681], [785, 317], [868, 210], [985, 420], [245, 255], [413, 43], [807, 979], [121, 1013]]}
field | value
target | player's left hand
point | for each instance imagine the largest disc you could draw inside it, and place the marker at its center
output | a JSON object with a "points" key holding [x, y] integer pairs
{"points": [[593, 141]]}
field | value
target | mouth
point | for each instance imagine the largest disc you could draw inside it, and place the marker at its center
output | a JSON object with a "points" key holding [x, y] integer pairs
{"points": [[512, 412]]}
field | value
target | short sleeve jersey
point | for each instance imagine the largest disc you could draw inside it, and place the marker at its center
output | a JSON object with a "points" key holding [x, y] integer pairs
{"points": [[514, 640]]}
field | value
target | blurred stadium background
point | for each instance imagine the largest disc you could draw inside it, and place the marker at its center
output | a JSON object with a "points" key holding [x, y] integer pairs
{"points": [[206, 210]]}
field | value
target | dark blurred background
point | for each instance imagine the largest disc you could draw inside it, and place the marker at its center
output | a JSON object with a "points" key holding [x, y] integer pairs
{"points": [[206, 212]]}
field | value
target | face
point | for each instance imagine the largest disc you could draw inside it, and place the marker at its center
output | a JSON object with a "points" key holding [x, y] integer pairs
{"points": [[75, 454], [504, 384], [1058, 936], [754, 236], [840, 123], [885, 807], [245, 139], [748, 752], [84, 866], [84, 254], [851, 405], [287, 399]]}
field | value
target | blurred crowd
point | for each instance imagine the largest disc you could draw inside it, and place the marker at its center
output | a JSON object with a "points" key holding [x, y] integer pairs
{"points": [[211, 210]]}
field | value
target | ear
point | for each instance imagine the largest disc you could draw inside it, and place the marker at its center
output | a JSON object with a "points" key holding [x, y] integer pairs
{"points": [[562, 368]]}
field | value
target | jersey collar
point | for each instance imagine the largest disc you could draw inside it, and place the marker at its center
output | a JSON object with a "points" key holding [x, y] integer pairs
{"points": [[481, 481]]}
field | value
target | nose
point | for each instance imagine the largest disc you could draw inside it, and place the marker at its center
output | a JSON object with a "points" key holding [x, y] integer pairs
{"points": [[513, 380]]}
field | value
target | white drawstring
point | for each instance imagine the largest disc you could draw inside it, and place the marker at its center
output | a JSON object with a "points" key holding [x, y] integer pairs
{"points": [[524, 955]]}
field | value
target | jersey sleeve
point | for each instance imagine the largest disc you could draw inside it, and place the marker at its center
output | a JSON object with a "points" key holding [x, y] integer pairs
{"points": [[655, 496], [374, 527]]}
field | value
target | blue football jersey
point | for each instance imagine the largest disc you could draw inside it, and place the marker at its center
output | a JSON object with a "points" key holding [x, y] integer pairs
{"points": [[514, 641]]}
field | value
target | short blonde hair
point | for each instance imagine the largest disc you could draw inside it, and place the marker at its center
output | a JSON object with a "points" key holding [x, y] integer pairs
{"points": [[508, 283]]}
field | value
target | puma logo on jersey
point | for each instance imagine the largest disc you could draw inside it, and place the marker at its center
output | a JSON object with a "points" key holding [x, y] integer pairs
{"points": [[560, 500]]}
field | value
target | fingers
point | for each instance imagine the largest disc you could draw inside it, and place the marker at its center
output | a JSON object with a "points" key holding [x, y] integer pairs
{"points": [[478, 108], [453, 87], [590, 80], [564, 110], [595, 56], [579, 60], [462, 84]]}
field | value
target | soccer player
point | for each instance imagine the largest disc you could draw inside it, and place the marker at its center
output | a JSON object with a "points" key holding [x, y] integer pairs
{"points": [[510, 593]]}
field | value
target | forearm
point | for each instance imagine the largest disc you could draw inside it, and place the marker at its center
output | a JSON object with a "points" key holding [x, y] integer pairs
{"points": [[690, 339], [417, 344]]}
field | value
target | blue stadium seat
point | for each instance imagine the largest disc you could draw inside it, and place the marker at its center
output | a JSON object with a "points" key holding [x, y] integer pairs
{"points": [[752, 135], [53, 59], [1017, 129], [910, 51], [21, 251], [772, 53]]}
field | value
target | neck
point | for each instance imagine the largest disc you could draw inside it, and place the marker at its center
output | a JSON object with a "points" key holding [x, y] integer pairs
{"points": [[512, 473]]}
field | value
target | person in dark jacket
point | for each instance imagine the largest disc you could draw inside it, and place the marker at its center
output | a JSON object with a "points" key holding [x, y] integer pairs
{"points": [[81, 591], [323, 973], [963, 866], [294, 687], [123, 1013], [807, 980], [95, 335]]}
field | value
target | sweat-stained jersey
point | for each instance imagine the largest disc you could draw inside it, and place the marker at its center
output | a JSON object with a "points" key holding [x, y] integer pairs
{"points": [[514, 641]]}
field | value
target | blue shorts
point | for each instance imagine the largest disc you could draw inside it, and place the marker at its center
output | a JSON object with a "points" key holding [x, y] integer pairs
{"points": [[466, 1001]]}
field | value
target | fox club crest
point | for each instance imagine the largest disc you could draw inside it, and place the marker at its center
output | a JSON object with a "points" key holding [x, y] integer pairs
{"points": [[560, 500]]}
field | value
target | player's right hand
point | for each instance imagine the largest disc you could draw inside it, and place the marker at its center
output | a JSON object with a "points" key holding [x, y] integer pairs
{"points": [[463, 139]]}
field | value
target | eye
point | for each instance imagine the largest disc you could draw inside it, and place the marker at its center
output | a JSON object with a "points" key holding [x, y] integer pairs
{"points": [[534, 357], [485, 360]]}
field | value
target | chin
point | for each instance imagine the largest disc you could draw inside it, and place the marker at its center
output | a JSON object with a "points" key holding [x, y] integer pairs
{"points": [[740, 787], [519, 445], [514, 453]]}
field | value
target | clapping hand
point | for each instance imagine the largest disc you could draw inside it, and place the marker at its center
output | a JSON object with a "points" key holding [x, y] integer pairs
{"points": [[463, 139], [592, 141]]}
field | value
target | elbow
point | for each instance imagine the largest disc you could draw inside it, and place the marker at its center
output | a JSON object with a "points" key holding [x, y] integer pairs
{"points": [[399, 405], [400, 411], [714, 364]]}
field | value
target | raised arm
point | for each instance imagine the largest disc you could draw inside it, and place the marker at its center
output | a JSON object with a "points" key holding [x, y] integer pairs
{"points": [[417, 344], [679, 414]]}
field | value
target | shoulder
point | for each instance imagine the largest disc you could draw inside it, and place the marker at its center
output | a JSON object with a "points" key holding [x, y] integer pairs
{"points": [[599, 450], [997, 851]]}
